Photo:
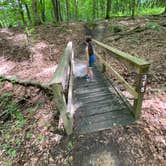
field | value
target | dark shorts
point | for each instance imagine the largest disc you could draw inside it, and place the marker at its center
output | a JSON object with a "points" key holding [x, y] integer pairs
{"points": [[92, 59]]}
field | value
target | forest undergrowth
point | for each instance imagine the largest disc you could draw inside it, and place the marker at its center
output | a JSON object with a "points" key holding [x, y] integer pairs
{"points": [[29, 133]]}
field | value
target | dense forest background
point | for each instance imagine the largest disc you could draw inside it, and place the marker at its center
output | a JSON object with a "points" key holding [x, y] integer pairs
{"points": [[35, 12]]}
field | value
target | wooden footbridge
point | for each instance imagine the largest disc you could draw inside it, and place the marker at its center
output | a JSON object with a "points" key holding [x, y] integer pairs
{"points": [[93, 106]]}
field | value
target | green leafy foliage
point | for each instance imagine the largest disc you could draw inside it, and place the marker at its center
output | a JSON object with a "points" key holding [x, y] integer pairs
{"points": [[7, 162], [39, 139], [7, 103], [154, 26], [29, 135], [18, 142], [1, 79], [12, 152], [69, 145], [6, 96], [29, 30], [87, 10], [5, 146]]}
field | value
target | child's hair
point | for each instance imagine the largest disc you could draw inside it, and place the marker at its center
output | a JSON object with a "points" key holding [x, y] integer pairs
{"points": [[90, 47], [88, 39]]}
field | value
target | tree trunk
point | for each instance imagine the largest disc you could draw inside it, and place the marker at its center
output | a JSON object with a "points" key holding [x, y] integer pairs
{"points": [[108, 9], [35, 13], [42, 3], [102, 8], [97, 9], [76, 9], [59, 9], [68, 10], [28, 12], [133, 9], [21, 12], [56, 10], [94, 9]]}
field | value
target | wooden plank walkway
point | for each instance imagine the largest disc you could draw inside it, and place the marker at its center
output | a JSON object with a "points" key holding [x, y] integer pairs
{"points": [[100, 106]]}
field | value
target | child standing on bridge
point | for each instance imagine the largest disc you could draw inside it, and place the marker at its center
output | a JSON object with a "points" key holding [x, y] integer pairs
{"points": [[90, 58]]}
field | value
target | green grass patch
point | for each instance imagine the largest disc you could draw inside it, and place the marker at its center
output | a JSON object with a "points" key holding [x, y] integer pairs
{"points": [[150, 11], [153, 26], [140, 12]]}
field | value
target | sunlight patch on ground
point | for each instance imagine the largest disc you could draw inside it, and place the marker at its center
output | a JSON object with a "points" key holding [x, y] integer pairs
{"points": [[19, 39], [103, 158], [6, 31], [41, 45], [5, 66]]}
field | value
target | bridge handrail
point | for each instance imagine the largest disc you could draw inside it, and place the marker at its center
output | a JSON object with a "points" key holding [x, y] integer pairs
{"points": [[140, 63], [62, 84], [141, 67]]}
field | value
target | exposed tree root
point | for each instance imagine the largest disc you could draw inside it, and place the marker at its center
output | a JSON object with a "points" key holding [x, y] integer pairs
{"points": [[5, 114], [25, 82]]}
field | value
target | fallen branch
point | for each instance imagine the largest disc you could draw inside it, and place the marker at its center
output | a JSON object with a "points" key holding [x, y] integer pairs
{"points": [[5, 114], [25, 82], [137, 29]]}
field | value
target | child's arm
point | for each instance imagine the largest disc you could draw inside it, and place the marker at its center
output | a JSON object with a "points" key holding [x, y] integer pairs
{"points": [[87, 57]]}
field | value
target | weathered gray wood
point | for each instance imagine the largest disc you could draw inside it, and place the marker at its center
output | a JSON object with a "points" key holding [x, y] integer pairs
{"points": [[138, 102], [131, 59], [84, 83], [70, 96], [117, 90], [98, 106], [56, 84], [62, 66], [105, 116], [101, 99], [95, 90], [129, 88], [90, 126], [92, 95], [141, 66], [101, 110], [60, 101]]}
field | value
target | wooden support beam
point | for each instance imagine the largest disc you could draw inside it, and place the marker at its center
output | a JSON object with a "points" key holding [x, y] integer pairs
{"points": [[60, 101], [141, 81], [56, 83], [104, 66], [70, 96]]}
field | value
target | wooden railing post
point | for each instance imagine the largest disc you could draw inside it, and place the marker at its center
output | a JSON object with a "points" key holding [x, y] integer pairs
{"points": [[141, 81], [59, 98], [60, 79], [103, 65]]}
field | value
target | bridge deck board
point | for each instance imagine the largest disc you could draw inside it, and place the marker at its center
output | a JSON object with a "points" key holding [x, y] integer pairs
{"points": [[100, 107]]}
